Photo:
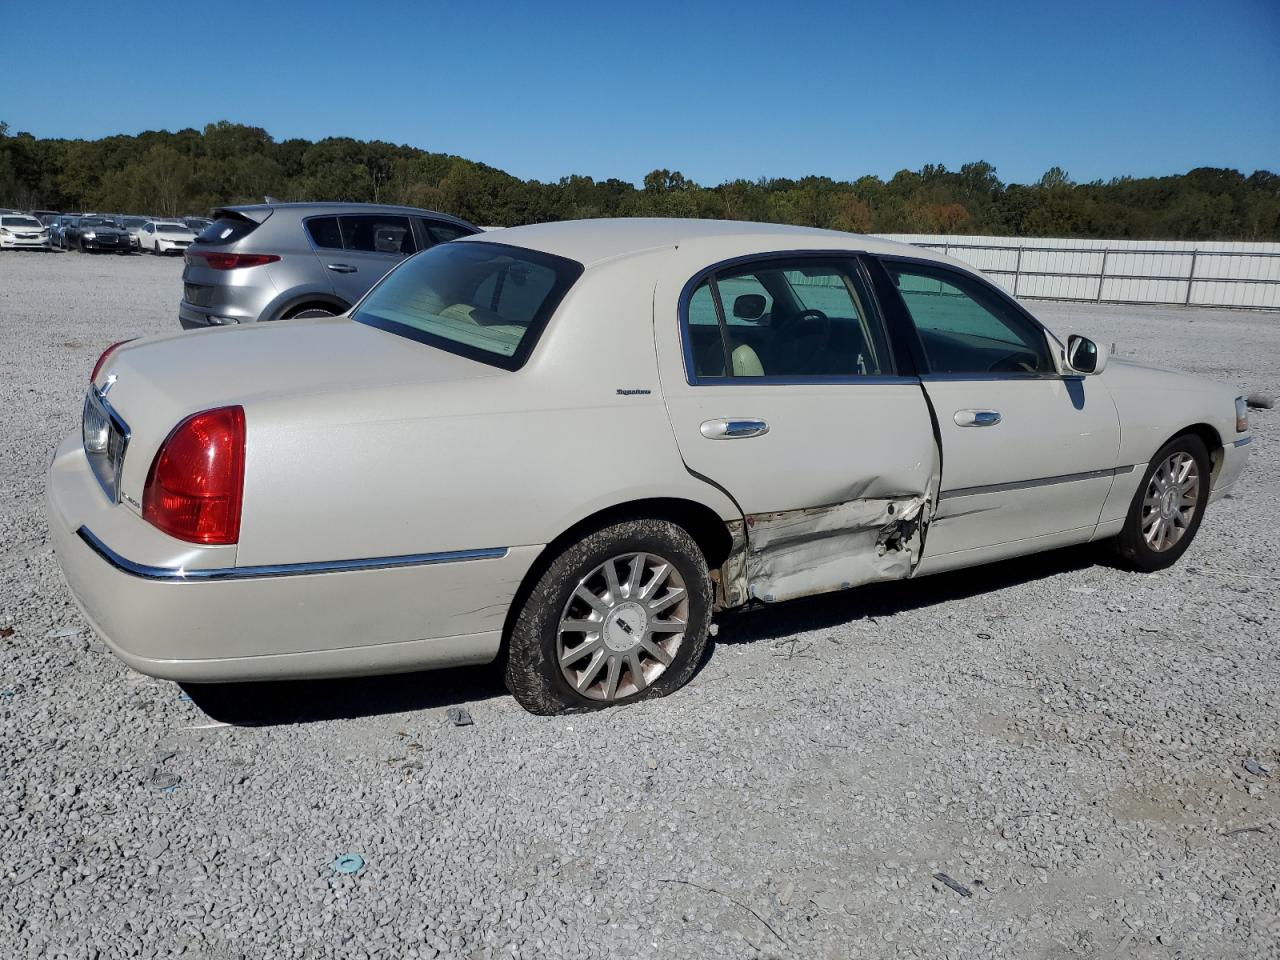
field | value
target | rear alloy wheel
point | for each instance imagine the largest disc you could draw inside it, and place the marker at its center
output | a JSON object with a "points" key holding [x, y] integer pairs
{"points": [[1167, 508], [621, 615]]}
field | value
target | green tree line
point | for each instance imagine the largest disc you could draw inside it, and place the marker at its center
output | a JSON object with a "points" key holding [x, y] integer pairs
{"points": [[192, 171]]}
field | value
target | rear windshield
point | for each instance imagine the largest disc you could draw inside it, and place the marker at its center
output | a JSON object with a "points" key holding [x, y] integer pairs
{"points": [[19, 222], [227, 229], [486, 301]]}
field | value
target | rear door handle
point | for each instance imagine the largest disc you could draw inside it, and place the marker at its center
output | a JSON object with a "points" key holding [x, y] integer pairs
{"points": [[341, 267], [733, 429], [977, 418]]}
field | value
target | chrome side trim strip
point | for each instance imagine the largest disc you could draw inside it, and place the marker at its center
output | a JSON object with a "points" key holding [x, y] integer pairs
{"points": [[180, 575], [1026, 484], [1243, 441], [815, 381]]}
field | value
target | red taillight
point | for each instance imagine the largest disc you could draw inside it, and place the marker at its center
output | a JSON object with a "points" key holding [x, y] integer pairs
{"points": [[196, 484], [230, 261], [106, 353]]}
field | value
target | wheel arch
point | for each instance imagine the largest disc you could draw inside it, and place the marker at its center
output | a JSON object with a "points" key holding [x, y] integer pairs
{"points": [[1211, 439], [707, 528], [304, 301]]}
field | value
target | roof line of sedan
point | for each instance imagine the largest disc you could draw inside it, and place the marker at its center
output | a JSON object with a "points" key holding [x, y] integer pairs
{"points": [[596, 242]]}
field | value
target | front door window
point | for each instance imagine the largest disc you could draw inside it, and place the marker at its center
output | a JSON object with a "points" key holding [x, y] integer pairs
{"points": [[966, 328]]}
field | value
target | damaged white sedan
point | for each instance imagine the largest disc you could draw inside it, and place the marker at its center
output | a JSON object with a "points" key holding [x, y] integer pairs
{"points": [[567, 445]]}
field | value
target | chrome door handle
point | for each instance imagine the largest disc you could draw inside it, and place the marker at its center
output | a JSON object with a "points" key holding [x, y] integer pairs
{"points": [[733, 429], [977, 418], [341, 267]]}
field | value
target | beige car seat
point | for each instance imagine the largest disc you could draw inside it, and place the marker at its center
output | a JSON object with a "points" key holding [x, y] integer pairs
{"points": [[746, 362]]}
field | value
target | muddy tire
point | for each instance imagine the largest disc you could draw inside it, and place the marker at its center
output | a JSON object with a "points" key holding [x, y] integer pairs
{"points": [[600, 627], [1167, 507]]}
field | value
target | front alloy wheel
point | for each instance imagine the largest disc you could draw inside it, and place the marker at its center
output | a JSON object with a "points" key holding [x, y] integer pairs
{"points": [[1168, 505], [621, 615], [1171, 500]]}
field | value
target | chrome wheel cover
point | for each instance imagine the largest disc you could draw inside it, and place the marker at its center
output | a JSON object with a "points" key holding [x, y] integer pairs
{"points": [[1170, 502], [622, 626]]}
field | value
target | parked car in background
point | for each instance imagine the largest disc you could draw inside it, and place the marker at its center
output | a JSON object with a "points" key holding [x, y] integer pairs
{"points": [[19, 231], [164, 237], [95, 232], [197, 224], [134, 225], [56, 227], [44, 216], [276, 261], [568, 448]]}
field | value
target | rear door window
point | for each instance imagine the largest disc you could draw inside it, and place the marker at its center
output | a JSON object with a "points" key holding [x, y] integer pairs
{"points": [[377, 233], [441, 232], [789, 319], [324, 232]]}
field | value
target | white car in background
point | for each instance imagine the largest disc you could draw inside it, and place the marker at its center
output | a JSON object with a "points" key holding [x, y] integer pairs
{"points": [[568, 448], [163, 237], [21, 232]]}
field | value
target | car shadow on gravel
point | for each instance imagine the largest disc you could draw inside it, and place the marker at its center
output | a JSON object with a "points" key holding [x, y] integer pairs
{"points": [[271, 703], [277, 702], [775, 622]]}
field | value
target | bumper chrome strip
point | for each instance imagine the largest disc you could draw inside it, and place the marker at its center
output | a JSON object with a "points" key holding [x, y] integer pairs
{"points": [[1242, 441], [181, 575], [1025, 484]]}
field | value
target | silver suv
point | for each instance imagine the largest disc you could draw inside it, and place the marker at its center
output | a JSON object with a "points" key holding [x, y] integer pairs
{"points": [[274, 261]]}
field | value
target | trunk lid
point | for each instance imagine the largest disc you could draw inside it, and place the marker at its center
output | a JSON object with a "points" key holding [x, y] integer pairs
{"points": [[159, 382]]}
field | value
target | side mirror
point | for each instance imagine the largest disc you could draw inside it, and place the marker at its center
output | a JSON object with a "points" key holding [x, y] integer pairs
{"points": [[1085, 356], [749, 306]]}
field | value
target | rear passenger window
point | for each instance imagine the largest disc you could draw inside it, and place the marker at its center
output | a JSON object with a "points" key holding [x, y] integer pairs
{"points": [[377, 233], [792, 319], [443, 232], [324, 232], [704, 334]]}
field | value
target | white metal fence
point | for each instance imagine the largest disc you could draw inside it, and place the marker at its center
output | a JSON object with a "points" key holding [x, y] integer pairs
{"points": [[1209, 274]]}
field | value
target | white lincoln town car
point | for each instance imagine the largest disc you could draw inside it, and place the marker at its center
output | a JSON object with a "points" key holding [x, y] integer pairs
{"points": [[567, 445]]}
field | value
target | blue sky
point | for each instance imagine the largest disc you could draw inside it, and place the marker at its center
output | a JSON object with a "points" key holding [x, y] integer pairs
{"points": [[717, 91]]}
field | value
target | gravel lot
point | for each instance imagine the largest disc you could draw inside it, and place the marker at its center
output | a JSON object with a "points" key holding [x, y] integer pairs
{"points": [[1067, 741]]}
